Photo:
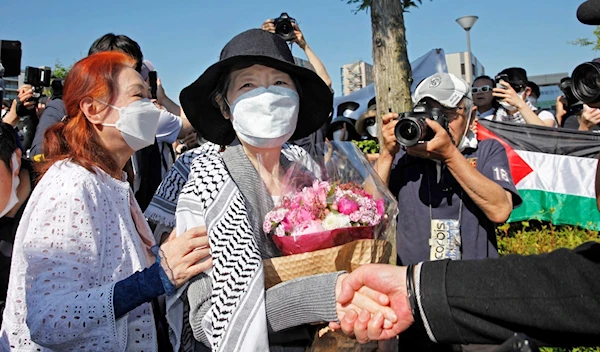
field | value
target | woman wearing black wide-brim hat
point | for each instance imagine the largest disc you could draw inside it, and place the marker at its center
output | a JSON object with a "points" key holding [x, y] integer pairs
{"points": [[257, 95]]}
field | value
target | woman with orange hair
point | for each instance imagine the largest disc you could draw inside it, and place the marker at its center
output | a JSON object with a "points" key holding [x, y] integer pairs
{"points": [[84, 267]]}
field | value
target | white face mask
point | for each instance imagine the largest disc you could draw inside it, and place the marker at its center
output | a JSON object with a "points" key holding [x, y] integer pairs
{"points": [[532, 100], [507, 106], [137, 122], [266, 117], [372, 130], [339, 135], [15, 183]]}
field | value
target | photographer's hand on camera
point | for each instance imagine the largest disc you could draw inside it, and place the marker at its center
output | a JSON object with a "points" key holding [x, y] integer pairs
{"points": [[440, 147], [26, 97], [389, 146], [298, 36], [589, 118], [269, 26], [510, 96]]}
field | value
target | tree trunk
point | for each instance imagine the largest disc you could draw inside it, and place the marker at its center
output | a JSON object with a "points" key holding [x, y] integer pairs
{"points": [[391, 68]]}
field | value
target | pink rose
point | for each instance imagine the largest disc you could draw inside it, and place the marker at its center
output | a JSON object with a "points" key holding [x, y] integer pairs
{"points": [[347, 206], [305, 215]]}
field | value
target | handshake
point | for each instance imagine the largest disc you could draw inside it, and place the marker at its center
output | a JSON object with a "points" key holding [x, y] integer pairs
{"points": [[389, 312]]}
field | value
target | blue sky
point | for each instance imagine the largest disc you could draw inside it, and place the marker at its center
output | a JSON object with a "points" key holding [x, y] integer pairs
{"points": [[182, 38]]}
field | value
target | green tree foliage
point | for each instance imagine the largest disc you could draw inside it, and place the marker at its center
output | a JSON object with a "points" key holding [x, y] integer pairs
{"points": [[594, 43], [60, 71], [364, 4]]}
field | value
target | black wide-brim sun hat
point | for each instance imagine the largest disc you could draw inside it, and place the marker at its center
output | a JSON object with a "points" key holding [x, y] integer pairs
{"points": [[254, 46]]}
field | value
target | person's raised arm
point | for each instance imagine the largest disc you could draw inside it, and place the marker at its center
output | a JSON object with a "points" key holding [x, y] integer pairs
{"points": [[389, 147]]}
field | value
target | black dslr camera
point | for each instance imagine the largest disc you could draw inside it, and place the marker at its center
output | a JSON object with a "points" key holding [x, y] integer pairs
{"points": [[412, 128], [573, 104], [585, 82], [284, 27], [38, 78]]}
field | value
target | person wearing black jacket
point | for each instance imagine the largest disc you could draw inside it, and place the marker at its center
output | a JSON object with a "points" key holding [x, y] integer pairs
{"points": [[16, 184], [553, 298]]}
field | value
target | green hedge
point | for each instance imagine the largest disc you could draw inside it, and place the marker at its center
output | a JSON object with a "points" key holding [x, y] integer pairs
{"points": [[534, 237]]}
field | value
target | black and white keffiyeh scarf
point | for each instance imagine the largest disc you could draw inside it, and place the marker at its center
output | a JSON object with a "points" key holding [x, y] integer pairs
{"points": [[503, 116], [223, 191], [162, 207]]}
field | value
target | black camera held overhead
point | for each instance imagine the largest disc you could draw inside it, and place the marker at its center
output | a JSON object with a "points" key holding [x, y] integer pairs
{"points": [[38, 78], [585, 82], [284, 26], [412, 128]]}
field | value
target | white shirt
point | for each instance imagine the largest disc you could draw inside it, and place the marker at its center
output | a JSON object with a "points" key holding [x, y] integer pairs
{"points": [[76, 239], [488, 115], [546, 115], [169, 126]]}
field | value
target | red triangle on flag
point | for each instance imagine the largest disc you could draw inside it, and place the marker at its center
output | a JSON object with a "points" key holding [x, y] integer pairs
{"points": [[518, 167]]}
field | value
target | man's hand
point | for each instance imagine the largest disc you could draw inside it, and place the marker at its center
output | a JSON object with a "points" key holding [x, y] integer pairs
{"points": [[389, 144], [25, 95], [386, 279], [509, 95], [365, 299], [440, 147], [589, 118]]}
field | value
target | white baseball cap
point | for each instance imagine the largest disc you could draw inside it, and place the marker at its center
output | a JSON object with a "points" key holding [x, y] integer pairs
{"points": [[445, 88]]}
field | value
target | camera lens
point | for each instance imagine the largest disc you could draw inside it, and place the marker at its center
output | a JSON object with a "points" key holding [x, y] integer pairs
{"points": [[285, 28], [585, 82], [409, 131]]}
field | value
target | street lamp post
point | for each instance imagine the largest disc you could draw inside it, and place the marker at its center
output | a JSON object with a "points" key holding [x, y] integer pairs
{"points": [[467, 22]]}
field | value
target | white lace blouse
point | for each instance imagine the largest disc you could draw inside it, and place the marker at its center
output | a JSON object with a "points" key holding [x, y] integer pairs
{"points": [[76, 239]]}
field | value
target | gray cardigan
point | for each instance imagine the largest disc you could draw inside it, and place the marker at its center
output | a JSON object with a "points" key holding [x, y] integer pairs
{"points": [[301, 301]]}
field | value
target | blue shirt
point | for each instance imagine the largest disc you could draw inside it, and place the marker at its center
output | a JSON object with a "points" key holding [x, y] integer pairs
{"points": [[408, 182]]}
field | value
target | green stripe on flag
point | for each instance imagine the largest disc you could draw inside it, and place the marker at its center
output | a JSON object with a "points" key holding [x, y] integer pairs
{"points": [[558, 208]]}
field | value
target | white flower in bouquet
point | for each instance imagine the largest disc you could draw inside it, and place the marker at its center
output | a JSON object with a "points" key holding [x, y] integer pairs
{"points": [[336, 221]]}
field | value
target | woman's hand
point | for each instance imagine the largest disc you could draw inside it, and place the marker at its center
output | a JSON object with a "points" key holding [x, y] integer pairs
{"points": [[186, 256], [367, 303]]}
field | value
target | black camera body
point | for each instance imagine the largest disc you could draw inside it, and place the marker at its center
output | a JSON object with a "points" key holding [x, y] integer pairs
{"points": [[412, 128], [284, 27], [38, 78]]}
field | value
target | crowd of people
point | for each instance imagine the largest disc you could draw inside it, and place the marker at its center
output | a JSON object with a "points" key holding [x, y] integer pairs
{"points": [[130, 223]]}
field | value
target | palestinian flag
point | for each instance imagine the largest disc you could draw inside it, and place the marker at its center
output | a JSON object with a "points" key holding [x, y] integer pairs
{"points": [[553, 169]]}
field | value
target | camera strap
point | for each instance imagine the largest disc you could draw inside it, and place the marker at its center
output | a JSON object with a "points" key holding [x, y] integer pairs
{"points": [[445, 239]]}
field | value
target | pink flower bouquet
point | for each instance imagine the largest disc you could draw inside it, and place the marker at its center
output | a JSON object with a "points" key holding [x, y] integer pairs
{"points": [[323, 216]]}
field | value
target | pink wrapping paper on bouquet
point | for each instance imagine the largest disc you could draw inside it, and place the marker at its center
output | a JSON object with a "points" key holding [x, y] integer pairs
{"points": [[289, 245], [323, 215]]}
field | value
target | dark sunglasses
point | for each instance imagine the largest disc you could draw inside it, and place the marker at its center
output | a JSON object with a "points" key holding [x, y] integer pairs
{"points": [[483, 89]]}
